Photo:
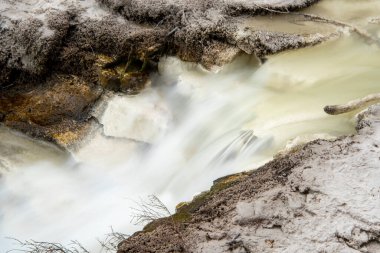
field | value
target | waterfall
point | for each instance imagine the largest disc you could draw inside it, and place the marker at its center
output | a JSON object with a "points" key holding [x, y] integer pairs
{"points": [[173, 139]]}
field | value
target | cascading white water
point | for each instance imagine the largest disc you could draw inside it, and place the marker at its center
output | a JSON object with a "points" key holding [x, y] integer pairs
{"points": [[174, 139]]}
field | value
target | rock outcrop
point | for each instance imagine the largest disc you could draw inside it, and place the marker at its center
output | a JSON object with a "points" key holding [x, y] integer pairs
{"points": [[55, 36], [115, 44], [322, 198], [56, 111]]}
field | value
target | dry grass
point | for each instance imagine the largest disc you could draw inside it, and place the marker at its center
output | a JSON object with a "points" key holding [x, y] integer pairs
{"points": [[32, 246], [149, 210], [108, 244]]}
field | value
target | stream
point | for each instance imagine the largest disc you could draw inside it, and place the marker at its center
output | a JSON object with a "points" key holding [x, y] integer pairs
{"points": [[173, 139]]}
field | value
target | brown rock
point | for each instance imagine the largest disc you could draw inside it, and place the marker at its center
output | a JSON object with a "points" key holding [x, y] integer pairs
{"points": [[57, 111]]}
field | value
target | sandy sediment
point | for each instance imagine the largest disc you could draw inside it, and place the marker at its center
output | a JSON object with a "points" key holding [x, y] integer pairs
{"points": [[324, 197]]}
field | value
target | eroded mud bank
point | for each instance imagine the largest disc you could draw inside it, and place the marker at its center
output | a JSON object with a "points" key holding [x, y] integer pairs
{"points": [[46, 46], [321, 198], [58, 59]]}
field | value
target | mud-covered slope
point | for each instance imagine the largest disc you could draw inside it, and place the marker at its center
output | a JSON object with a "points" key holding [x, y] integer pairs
{"points": [[115, 44], [322, 198], [35, 33]]}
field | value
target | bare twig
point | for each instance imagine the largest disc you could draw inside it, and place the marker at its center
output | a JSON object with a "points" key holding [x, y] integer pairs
{"points": [[172, 31], [108, 245], [149, 210], [32, 246], [111, 241], [153, 209], [270, 10]]}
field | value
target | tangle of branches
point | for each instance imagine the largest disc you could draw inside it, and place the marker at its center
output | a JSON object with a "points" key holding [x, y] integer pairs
{"points": [[111, 241], [149, 210], [153, 209], [32, 246], [108, 245]]}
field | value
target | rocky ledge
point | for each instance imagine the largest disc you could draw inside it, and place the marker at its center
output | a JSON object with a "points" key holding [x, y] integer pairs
{"points": [[85, 47], [324, 197]]}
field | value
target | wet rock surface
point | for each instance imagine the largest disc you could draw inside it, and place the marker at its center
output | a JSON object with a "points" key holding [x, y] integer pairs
{"points": [[322, 198], [115, 44], [57, 111]]}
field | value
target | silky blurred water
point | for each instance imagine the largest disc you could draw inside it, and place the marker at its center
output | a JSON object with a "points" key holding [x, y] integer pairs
{"points": [[175, 138]]}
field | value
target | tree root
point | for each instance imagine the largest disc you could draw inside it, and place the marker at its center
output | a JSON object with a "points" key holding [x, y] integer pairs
{"points": [[363, 33], [316, 18]]}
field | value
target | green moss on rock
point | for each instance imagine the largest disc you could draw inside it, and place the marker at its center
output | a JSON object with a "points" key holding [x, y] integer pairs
{"points": [[185, 210]]}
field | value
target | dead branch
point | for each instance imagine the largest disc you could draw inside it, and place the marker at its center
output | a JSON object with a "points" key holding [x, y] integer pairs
{"points": [[315, 18], [270, 10], [353, 105]]}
